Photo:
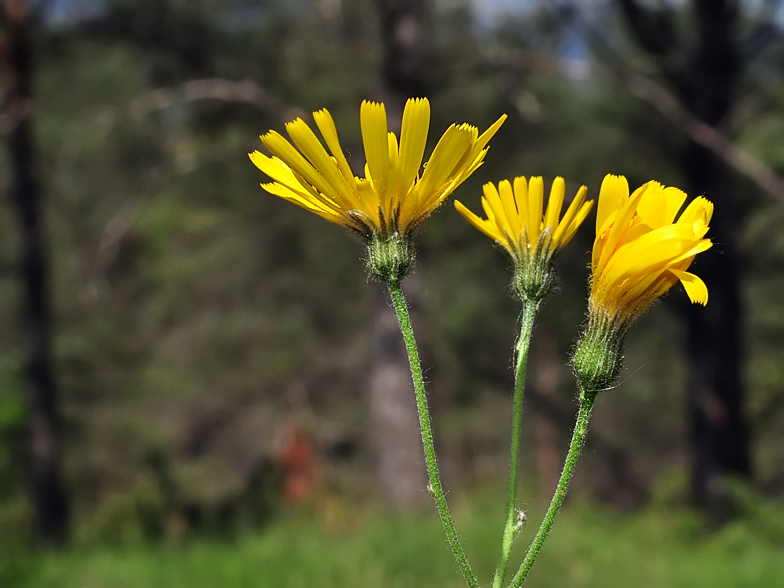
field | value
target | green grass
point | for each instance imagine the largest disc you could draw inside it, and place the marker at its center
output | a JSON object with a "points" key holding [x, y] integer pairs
{"points": [[590, 546]]}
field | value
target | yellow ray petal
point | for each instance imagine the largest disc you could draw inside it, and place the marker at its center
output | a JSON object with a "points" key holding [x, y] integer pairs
{"points": [[373, 118], [283, 174], [486, 227], [621, 223], [413, 138], [448, 152], [699, 209], [658, 246], [306, 203], [510, 209], [652, 208], [571, 229], [555, 204], [393, 150], [612, 195], [286, 152], [693, 249], [393, 188], [327, 127], [275, 168], [307, 142], [521, 198], [483, 139], [694, 286], [675, 199], [494, 208], [467, 160], [315, 195], [535, 203], [478, 161], [571, 213]]}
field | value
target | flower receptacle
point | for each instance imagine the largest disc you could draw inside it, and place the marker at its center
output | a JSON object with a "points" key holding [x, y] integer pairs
{"points": [[390, 256], [598, 357], [534, 268], [533, 278]]}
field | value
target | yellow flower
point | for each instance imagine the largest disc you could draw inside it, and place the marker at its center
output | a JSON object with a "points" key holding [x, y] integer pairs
{"points": [[392, 198], [516, 220], [641, 250]]}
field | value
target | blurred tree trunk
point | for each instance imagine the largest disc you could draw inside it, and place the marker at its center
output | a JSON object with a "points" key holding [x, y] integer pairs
{"points": [[403, 30], [393, 416], [546, 366], [705, 82], [394, 425], [48, 495]]}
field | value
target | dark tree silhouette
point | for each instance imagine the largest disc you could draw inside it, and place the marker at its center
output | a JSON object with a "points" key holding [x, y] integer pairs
{"points": [[403, 28], [48, 494], [703, 74]]}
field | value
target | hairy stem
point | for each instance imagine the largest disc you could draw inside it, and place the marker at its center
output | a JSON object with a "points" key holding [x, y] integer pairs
{"points": [[399, 302], [512, 526], [580, 430]]}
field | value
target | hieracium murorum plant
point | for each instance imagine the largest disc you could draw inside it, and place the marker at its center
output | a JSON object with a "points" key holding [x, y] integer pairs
{"points": [[644, 245]]}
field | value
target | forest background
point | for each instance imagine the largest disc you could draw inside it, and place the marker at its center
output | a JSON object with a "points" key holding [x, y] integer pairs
{"points": [[195, 375]]}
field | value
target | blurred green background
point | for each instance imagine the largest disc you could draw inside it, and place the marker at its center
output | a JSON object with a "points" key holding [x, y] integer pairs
{"points": [[199, 386]]}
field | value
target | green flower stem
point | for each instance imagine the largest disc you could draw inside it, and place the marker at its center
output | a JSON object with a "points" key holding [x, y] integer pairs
{"points": [[512, 527], [580, 430], [399, 302]]}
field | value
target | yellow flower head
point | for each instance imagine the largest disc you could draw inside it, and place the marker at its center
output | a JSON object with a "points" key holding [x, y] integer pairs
{"points": [[516, 219], [392, 198], [641, 250]]}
